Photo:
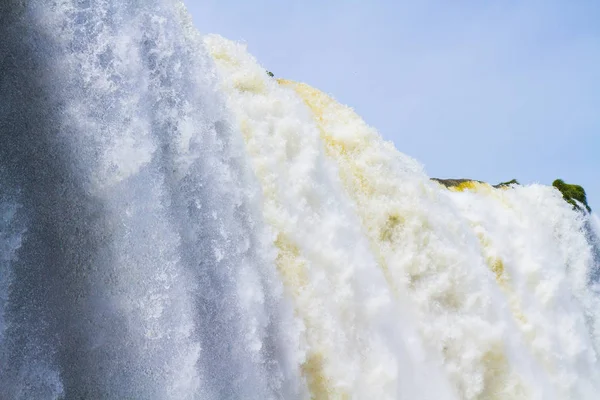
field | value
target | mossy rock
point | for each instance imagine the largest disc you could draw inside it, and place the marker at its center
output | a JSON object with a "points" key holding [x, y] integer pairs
{"points": [[573, 194], [507, 184], [450, 183], [463, 184]]}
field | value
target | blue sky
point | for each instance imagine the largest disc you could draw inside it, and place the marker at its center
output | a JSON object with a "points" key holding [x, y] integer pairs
{"points": [[472, 89]]}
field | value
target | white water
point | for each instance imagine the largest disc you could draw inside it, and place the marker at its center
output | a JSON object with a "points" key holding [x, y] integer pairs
{"points": [[175, 224]]}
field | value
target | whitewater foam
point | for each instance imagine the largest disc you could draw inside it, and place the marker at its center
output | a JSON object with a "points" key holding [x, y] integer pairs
{"points": [[324, 258], [432, 245]]}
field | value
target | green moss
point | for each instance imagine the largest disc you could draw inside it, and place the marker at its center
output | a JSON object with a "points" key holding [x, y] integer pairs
{"points": [[506, 184], [450, 183], [270, 74], [572, 194]]}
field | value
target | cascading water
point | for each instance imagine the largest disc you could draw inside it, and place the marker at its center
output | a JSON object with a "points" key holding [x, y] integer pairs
{"points": [[176, 224], [136, 260]]}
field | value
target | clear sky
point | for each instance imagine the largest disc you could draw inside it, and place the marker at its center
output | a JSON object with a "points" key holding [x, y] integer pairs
{"points": [[472, 89]]}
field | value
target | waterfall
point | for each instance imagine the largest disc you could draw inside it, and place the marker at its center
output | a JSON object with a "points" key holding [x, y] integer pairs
{"points": [[177, 224]]}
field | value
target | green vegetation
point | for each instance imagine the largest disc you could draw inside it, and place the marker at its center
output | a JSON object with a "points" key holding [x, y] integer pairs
{"points": [[573, 194], [507, 184], [270, 74]]}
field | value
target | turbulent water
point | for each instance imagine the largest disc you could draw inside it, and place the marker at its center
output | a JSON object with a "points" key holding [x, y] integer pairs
{"points": [[177, 224]]}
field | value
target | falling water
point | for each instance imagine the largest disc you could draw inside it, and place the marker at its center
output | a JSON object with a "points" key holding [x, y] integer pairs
{"points": [[177, 224], [136, 262]]}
